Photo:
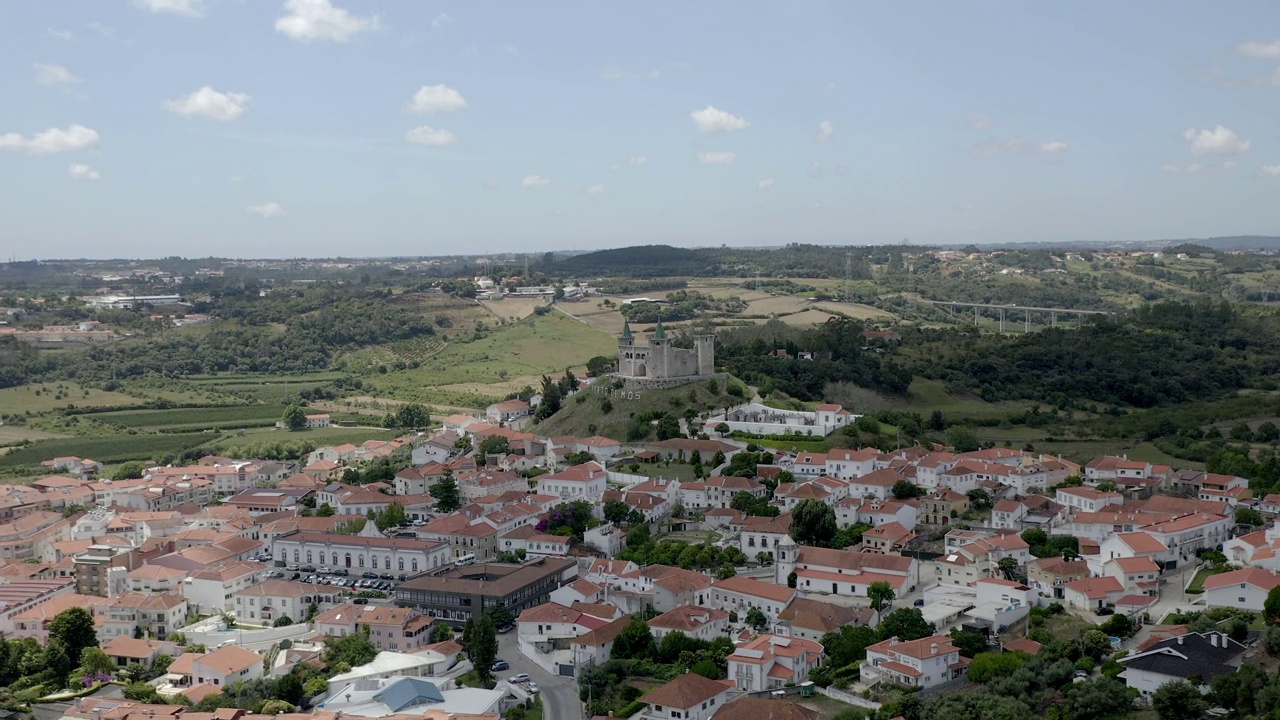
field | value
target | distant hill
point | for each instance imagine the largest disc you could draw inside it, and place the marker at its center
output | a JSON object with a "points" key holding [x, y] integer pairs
{"points": [[640, 261]]}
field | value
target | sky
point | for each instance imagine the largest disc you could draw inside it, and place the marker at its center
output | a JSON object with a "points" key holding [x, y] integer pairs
{"points": [[290, 128]]}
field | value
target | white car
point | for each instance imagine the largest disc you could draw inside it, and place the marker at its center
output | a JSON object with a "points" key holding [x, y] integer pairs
{"points": [[520, 678], [531, 687]]}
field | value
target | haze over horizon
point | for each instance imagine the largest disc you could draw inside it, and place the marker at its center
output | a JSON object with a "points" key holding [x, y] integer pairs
{"points": [[364, 128]]}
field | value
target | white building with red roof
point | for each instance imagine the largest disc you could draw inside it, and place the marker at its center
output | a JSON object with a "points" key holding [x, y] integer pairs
{"points": [[914, 663], [843, 572], [1138, 575], [769, 662], [1087, 499], [704, 623], [1244, 589], [689, 696], [739, 594], [1092, 593], [544, 625], [587, 481], [877, 485], [1133, 545]]}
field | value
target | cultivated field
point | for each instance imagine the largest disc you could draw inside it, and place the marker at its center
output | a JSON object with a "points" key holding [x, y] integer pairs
{"points": [[513, 309], [43, 397], [104, 449]]}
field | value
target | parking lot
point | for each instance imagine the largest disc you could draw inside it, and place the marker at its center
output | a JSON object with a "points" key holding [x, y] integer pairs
{"points": [[341, 577]]}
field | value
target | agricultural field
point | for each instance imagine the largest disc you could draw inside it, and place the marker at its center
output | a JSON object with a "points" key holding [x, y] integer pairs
{"points": [[10, 434], [546, 344], [225, 416], [43, 397], [513, 309], [104, 449], [924, 396], [229, 444]]}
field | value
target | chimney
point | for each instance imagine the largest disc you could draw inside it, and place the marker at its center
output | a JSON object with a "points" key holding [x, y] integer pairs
{"points": [[933, 648], [1179, 639]]}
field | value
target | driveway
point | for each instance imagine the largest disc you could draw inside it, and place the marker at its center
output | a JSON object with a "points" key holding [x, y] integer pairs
{"points": [[559, 694]]}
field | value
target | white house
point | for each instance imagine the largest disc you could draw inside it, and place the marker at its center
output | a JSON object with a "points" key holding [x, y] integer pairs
{"points": [[703, 623], [226, 665], [587, 481], [740, 594], [689, 696], [771, 661], [1244, 589], [1087, 499], [915, 663]]}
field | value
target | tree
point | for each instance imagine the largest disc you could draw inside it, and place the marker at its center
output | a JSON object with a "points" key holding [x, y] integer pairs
{"points": [[325, 510], [446, 494], [1108, 486], [412, 416], [1249, 516], [350, 650], [1118, 625], [616, 511], [1104, 698], [142, 692], [495, 445], [937, 421], [290, 688], [1271, 606], [1271, 641], [294, 418], [792, 579], [880, 593], [668, 427], [905, 490], [970, 643], [1178, 700], [129, 470], [275, 707], [961, 439], [637, 536], [756, 619], [392, 516], [482, 647], [1008, 565], [813, 522], [500, 615], [718, 459], [282, 621], [441, 632], [601, 365], [905, 624], [635, 642], [1267, 432], [708, 669], [93, 661], [551, 397], [1095, 644], [74, 628], [987, 666], [848, 644], [979, 499]]}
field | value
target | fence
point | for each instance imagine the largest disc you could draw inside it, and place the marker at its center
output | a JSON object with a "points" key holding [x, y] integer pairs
{"points": [[849, 698]]}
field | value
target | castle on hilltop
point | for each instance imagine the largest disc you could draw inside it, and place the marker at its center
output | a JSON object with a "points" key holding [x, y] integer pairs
{"points": [[658, 364]]}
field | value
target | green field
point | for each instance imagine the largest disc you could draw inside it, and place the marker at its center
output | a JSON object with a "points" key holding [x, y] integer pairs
{"points": [[924, 396], [223, 416], [534, 346], [588, 417], [108, 449], [1082, 451], [25, 400], [318, 438]]}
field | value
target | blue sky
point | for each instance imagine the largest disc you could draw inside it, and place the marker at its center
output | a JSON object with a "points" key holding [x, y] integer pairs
{"points": [[277, 128]]}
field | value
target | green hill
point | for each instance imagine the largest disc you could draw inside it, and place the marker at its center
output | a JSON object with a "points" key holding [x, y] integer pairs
{"points": [[584, 414]]}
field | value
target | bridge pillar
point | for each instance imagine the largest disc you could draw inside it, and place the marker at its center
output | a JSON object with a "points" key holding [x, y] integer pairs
{"points": [[975, 315], [1053, 319], [1028, 321], [1001, 319]]}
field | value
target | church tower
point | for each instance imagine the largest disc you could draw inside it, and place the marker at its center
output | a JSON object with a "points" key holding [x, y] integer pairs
{"points": [[784, 561]]}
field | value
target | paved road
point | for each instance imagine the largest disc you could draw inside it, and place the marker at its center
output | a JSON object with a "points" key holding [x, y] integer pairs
{"points": [[559, 694]]}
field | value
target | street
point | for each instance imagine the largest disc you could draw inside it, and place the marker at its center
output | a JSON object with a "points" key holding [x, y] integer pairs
{"points": [[559, 694]]}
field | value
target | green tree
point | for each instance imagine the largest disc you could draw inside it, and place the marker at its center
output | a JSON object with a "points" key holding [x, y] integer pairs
{"points": [[756, 619], [961, 439], [848, 644], [1008, 565], [813, 522], [1271, 606], [987, 666], [905, 624], [1104, 698], [495, 445], [792, 579], [880, 593], [350, 650], [412, 416], [282, 621], [275, 707], [1118, 625], [93, 661], [441, 632], [979, 499], [142, 692], [551, 397], [129, 470], [1267, 432], [1095, 644], [325, 510], [707, 669], [392, 516], [970, 643], [294, 418], [635, 642], [905, 490], [74, 629], [1271, 640], [1249, 516], [446, 494], [638, 536], [482, 648], [616, 511], [1178, 700]]}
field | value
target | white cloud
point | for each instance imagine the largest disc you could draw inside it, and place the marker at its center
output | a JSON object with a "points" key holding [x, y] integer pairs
{"points": [[1218, 141], [826, 89], [55, 75], [842, 170], [716, 158], [490, 184], [1229, 166], [190, 8], [1171, 169], [655, 74], [239, 178], [612, 72], [1196, 168], [1269, 171], [80, 171], [56, 34], [982, 122], [615, 168], [432, 99], [712, 120], [814, 169], [764, 184], [1018, 148], [103, 30], [638, 159], [319, 20], [534, 181], [826, 131], [426, 135], [596, 190], [209, 103], [511, 49], [53, 140], [442, 21], [267, 210], [1260, 51]]}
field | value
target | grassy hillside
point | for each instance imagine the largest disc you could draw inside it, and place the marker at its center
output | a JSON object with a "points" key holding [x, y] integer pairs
{"points": [[584, 414]]}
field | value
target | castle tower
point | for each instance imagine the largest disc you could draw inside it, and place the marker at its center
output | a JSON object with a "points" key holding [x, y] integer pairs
{"points": [[706, 347], [659, 351]]}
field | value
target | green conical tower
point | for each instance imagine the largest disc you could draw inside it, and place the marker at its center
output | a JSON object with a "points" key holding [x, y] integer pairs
{"points": [[626, 329], [658, 332]]}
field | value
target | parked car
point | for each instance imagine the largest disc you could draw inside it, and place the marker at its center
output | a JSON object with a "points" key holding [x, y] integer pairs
{"points": [[360, 601], [500, 664], [295, 576], [342, 572], [506, 629], [919, 603], [387, 576], [308, 568], [532, 687], [402, 577], [1105, 611], [519, 678], [369, 575]]}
